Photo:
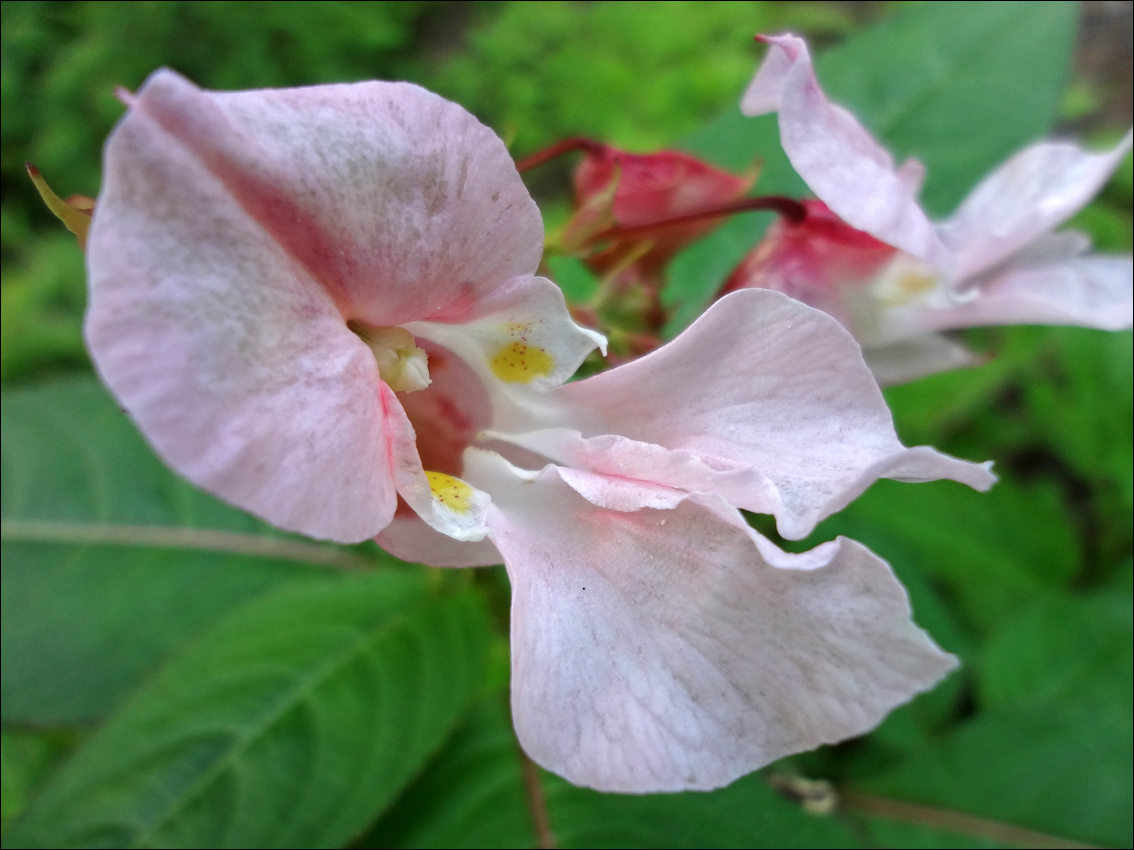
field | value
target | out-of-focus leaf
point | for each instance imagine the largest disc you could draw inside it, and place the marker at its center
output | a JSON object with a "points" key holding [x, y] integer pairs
{"points": [[1084, 406], [471, 795], [293, 722], [574, 278], [959, 85], [1058, 769], [109, 559], [994, 552], [1062, 650], [27, 758]]}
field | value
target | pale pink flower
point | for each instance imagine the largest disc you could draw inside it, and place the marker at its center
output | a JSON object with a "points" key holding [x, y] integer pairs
{"points": [[995, 261], [320, 304]]}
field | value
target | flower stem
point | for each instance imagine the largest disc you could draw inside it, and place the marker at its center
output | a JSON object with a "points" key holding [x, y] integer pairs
{"points": [[537, 804], [956, 822], [789, 208], [575, 143]]}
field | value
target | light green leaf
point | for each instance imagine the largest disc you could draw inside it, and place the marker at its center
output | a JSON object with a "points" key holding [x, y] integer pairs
{"points": [[293, 722], [109, 559], [574, 278]]}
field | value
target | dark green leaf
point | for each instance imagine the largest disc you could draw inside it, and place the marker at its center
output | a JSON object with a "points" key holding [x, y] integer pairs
{"points": [[1062, 650], [109, 559], [1064, 771], [994, 552], [27, 758], [293, 722], [472, 796]]}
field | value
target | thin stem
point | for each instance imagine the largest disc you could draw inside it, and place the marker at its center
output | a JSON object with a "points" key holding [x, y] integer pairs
{"points": [[956, 822], [789, 208], [575, 143], [537, 804], [90, 534]]}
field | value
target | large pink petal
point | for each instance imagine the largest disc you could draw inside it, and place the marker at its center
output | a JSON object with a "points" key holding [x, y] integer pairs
{"points": [[764, 400], [659, 651], [842, 163], [399, 203], [233, 360], [1025, 198]]}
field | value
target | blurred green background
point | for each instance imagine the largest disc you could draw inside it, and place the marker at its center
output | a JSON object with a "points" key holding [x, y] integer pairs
{"points": [[1030, 584]]}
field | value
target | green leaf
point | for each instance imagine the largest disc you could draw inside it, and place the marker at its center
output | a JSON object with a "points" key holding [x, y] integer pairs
{"points": [[293, 722], [574, 278], [1065, 771], [1062, 650], [994, 551], [472, 795], [110, 560], [959, 85], [27, 758]]}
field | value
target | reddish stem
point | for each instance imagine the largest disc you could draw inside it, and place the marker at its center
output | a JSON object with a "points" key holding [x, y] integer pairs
{"points": [[575, 143], [792, 210]]}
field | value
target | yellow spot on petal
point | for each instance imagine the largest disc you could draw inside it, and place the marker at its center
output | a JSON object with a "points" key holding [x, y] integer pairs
{"points": [[520, 363], [452, 493]]}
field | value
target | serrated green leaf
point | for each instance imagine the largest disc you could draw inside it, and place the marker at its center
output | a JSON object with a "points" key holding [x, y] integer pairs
{"points": [[472, 795], [109, 559], [293, 722], [1064, 771]]}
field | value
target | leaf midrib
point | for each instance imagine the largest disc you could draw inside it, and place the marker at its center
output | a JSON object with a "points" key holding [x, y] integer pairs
{"points": [[292, 697]]}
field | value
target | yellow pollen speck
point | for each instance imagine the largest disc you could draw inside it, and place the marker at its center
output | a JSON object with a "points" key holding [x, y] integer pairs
{"points": [[520, 363], [907, 287], [453, 493]]}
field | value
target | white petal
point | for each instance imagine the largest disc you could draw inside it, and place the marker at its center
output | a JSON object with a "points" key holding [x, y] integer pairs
{"points": [[763, 400], [1028, 196], [1095, 291], [842, 163], [916, 358]]}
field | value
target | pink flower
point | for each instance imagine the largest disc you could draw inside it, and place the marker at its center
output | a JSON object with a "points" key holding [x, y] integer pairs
{"points": [[620, 197], [320, 304], [995, 261]]}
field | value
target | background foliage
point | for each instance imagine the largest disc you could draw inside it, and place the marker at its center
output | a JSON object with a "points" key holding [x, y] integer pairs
{"points": [[177, 673]]}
